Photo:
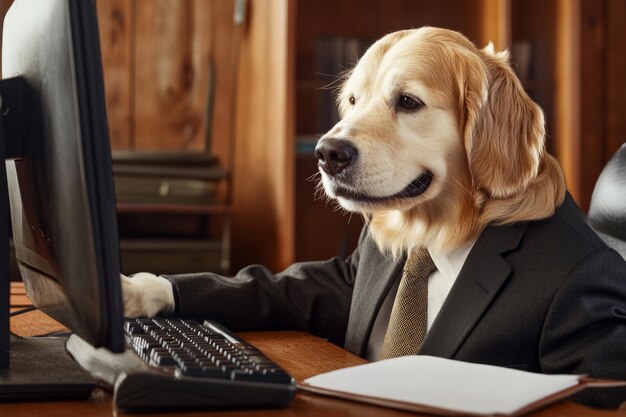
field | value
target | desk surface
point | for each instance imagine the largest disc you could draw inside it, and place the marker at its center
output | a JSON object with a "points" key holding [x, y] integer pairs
{"points": [[299, 353]]}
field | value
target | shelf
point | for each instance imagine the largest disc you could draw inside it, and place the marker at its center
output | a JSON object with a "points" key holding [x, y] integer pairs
{"points": [[157, 245], [172, 256], [173, 208], [159, 157], [212, 173]]}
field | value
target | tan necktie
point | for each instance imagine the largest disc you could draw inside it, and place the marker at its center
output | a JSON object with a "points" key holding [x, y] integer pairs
{"points": [[407, 324]]}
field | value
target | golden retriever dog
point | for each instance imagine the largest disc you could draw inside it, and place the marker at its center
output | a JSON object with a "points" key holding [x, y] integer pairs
{"points": [[437, 139]]}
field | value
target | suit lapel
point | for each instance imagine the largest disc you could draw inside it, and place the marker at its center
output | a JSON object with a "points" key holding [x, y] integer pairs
{"points": [[376, 275], [480, 279]]}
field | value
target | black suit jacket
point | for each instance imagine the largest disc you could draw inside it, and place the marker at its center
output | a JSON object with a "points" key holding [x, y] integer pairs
{"points": [[545, 296]]}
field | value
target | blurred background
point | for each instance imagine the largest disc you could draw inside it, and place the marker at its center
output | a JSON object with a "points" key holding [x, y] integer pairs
{"points": [[214, 108]]}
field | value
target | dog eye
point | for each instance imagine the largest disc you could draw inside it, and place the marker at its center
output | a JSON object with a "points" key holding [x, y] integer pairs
{"points": [[352, 100], [408, 103]]}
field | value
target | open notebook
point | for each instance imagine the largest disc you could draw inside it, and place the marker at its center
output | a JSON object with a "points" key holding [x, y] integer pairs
{"points": [[446, 387]]}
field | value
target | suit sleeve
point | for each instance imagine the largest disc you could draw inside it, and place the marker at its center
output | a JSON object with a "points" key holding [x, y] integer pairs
{"points": [[310, 296], [585, 329]]}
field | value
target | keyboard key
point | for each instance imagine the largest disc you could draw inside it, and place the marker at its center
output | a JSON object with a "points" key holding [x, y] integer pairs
{"points": [[277, 377], [215, 373], [259, 359], [163, 359], [228, 368], [250, 351], [133, 329], [191, 370], [145, 341]]}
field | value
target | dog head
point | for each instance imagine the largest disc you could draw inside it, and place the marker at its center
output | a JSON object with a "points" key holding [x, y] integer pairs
{"points": [[433, 131]]}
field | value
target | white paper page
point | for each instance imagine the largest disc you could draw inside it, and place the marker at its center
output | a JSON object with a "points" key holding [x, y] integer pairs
{"points": [[444, 383]]}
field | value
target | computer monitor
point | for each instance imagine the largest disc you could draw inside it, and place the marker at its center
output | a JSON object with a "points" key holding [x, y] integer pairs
{"points": [[61, 187]]}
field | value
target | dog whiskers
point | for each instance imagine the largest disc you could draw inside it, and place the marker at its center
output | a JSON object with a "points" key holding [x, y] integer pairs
{"points": [[314, 177], [336, 83]]}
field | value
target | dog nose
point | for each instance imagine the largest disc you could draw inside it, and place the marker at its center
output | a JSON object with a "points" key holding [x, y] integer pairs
{"points": [[335, 155]]}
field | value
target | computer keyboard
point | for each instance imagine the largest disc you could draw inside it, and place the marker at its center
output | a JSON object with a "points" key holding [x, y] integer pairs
{"points": [[204, 364]]}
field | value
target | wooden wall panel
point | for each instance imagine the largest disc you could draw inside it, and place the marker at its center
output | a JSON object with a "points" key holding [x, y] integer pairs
{"points": [[592, 129], [263, 224], [171, 67], [567, 93], [533, 22], [116, 25], [615, 76], [496, 23], [603, 64], [225, 50], [156, 57]]}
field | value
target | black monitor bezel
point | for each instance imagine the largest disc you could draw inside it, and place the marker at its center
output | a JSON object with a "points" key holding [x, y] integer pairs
{"points": [[95, 157], [100, 186]]}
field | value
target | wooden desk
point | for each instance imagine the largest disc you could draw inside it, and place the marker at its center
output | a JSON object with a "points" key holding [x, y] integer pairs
{"points": [[299, 353]]}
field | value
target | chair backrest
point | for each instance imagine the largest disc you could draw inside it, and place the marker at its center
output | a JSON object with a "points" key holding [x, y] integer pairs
{"points": [[607, 213]]}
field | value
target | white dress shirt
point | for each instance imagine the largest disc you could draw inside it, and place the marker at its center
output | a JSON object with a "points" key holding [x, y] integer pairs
{"points": [[449, 264]]}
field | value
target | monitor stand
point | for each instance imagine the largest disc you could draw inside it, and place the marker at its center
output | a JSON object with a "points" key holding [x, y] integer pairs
{"points": [[33, 368]]}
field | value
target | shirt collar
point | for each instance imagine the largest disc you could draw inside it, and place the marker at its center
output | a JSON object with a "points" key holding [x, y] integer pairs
{"points": [[449, 262]]}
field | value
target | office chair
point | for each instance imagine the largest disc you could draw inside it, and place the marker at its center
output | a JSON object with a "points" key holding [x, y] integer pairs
{"points": [[607, 212]]}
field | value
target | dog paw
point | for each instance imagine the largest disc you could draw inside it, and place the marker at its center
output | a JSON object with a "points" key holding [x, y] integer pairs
{"points": [[146, 295]]}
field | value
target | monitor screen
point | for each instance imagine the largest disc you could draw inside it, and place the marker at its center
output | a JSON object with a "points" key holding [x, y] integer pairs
{"points": [[61, 192]]}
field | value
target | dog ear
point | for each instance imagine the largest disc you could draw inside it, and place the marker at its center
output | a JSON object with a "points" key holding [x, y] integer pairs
{"points": [[503, 128]]}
